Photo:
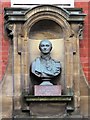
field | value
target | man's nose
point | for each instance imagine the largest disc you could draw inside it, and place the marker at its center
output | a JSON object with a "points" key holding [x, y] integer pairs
{"points": [[45, 48]]}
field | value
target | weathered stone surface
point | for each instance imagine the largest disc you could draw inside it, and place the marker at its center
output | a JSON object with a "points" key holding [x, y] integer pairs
{"points": [[47, 109], [49, 90]]}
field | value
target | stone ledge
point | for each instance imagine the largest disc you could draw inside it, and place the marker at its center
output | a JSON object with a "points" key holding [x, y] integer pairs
{"points": [[62, 98]]}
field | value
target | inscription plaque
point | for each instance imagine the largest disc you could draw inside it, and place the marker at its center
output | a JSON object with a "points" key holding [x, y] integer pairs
{"points": [[47, 90]]}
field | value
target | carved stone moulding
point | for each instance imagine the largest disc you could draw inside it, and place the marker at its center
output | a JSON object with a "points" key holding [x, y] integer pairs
{"points": [[30, 16]]}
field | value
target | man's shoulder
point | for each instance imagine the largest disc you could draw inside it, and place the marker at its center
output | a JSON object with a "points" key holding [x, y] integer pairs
{"points": [[36, 60], [56, 61]]}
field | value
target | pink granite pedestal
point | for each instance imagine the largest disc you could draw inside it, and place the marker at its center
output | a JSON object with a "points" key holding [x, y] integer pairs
{"points": [[47, 90]]}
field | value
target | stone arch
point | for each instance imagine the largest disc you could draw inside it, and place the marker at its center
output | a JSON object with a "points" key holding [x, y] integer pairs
{"points": [[53, 13], [46, 29]]}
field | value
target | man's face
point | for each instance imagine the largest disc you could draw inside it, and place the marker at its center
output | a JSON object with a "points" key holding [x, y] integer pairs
{"points": [[45, 47]]}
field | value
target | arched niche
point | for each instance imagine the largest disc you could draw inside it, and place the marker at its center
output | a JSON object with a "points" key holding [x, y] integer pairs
{"points": [[46, 29], [48, 13], [58, 17], [48, 25]]}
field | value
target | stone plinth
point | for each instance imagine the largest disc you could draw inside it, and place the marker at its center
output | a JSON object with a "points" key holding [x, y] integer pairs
{"points": [[47, 109], [48, 106], [47, 90]]}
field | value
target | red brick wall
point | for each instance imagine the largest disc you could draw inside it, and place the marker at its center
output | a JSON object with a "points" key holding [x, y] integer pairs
{"points": [[4, 44], [84, 44], [89, 42]]}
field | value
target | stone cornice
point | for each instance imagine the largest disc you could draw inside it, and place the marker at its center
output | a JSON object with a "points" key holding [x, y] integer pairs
{"points": [[20, 14], [65, 17]]}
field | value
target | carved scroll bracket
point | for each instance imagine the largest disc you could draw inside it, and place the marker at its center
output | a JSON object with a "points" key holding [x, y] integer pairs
{"points": [[10, 32], [80, 31], [77, 30]]}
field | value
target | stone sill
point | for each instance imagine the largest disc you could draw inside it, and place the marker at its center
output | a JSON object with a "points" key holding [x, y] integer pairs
{"points": [[62, 98]]}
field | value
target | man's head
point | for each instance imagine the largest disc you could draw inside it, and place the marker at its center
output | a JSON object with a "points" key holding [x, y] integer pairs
{"points": [[45, 46]]}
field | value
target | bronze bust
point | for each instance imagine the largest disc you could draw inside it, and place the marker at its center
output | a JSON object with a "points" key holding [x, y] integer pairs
{"points": [[44, 67]]}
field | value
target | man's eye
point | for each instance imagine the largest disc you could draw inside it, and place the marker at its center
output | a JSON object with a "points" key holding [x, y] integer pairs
{"points": [[47, 45], [42, 45]]}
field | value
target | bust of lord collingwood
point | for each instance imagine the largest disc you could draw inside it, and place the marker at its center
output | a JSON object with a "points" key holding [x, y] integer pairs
{"points": [[44, 67]]}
